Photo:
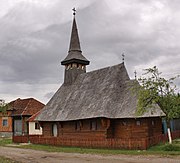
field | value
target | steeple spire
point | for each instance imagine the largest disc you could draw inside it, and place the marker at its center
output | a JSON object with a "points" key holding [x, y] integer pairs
{"points": [[74, 42], [75, 63], [75, 53]]}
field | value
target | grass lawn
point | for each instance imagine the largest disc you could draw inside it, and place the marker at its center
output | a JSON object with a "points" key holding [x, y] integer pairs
{"points": [[161, 149]]}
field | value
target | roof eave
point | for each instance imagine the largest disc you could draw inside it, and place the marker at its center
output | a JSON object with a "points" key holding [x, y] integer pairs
{"points": [[84, 62]]}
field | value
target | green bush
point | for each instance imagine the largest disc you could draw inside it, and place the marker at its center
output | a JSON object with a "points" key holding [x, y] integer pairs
{"points": [[171, 147]]}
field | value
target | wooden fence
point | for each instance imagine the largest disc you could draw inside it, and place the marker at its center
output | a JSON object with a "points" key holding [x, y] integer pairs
{"points": [[97, 143]]}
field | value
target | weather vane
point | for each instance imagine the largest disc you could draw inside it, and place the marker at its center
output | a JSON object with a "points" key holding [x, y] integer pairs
{"points": [[123, 56], [135, 73], [74, 11]]}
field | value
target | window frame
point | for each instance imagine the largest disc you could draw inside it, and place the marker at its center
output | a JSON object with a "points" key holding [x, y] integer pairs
{"points": [[52, 130], [5, 120], [37, 126], [93, 125]]}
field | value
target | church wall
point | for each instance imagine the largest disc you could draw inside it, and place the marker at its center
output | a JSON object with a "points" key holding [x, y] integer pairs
{"points": [[135, 128], [105, 128], [76, 129], [108, 134]]}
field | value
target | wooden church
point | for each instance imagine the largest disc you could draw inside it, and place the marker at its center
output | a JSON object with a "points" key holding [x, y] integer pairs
{"points": [[97, 108]]}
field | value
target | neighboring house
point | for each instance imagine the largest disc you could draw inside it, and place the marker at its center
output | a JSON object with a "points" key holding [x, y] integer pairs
{"points": [[96, 109], [34, 126], [5, 121], [22, 109], [174, 125]]}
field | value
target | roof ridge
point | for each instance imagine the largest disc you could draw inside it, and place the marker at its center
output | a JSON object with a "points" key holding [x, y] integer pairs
{"points": [[29, 100], [104, 68]]}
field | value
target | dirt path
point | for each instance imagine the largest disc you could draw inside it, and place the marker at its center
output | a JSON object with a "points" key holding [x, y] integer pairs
{"points": [[33, 156]]}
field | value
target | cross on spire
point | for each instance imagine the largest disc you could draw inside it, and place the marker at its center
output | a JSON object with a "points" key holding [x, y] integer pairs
{"points": [[123, 56], [74, 11]]}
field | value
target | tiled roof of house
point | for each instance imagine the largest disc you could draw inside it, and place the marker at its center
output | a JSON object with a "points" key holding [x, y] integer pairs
{"points": [[27, 106], [105, 92], [33, 117]]}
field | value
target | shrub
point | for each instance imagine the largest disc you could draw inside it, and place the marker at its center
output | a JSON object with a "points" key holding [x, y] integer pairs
{"points": [[171, 147]]}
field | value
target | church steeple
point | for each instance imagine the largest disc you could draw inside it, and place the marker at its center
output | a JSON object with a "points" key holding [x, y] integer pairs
{"points": [[75, 63]]}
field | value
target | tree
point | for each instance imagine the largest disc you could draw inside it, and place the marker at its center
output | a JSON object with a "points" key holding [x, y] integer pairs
{"points": [[4, 108], [154, 89]]}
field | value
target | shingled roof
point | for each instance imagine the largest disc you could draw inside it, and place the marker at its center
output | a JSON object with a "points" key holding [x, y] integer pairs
{"points": [[102, 93], [25, 107]]}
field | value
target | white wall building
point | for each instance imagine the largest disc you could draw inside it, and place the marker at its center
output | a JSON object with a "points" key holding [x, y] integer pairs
{"points": [[34, 127]]}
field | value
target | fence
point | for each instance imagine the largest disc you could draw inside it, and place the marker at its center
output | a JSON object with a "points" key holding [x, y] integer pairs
{"points": [[141, 143]]}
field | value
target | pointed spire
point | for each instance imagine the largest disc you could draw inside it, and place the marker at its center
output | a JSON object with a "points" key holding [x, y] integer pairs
{"points": [[74, 42], [74, 53]]}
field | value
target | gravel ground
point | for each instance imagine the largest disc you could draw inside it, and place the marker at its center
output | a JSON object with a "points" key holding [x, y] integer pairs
{"points": [[33, 156]]}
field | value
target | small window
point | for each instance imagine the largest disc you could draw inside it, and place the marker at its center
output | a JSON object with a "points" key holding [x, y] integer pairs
{"points": [[93, 125], [5, 122], [79, 66], [124, 123], [54, 130], [69, 66], [78, 125], [37, 126], [152, 123], [61, 125], [138, 123]]}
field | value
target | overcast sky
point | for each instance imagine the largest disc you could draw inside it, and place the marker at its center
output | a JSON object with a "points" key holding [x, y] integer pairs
{"points": [[34, 39]]}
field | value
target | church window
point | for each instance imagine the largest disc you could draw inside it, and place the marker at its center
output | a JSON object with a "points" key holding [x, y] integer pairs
{"points": [[61, 125], [152, 123], [74, 65], [93, 125], [77, 125], [69, 66], [138, 123], [83, 67], [54, 130], [124, 123], [80, 66]]}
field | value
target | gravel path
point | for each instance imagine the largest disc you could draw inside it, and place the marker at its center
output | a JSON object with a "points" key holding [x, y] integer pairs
{"points": [[33, 156]]}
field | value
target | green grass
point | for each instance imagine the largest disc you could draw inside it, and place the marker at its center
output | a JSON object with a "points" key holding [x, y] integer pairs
{"points": [[168, 149], [6, 160], [161, 149], [5, 141]]}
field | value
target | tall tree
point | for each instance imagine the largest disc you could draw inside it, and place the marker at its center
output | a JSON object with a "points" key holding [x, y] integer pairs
{"points": [[154, 89]]}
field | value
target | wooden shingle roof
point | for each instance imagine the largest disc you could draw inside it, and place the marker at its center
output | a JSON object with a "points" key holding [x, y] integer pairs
{"points": [[102, 93]]}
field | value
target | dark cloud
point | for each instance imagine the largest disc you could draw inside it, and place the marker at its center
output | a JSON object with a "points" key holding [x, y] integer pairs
{"points": [[35, 38]]}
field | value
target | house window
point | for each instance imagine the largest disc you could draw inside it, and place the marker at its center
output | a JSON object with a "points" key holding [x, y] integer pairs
{"points": [[93, 125], [37, 126], [54, 130], [138, 123], [5, 122]]}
